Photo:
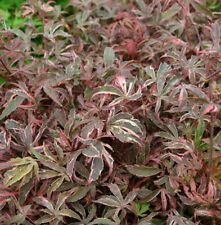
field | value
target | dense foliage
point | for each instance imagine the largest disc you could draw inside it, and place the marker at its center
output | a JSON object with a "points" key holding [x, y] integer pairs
{"points": [[111, 113]]}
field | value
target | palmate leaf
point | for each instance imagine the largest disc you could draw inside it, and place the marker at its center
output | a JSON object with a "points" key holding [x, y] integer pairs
{"points": [[95, 124], [96, 151], [127, 129], [116, 200], [124, 91]]}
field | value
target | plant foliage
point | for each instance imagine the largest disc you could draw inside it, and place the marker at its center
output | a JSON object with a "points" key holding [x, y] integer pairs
{"points": [[110, 112]]}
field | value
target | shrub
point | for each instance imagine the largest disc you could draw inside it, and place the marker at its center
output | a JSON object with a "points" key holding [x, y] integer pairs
{"points": [[110, 113]]}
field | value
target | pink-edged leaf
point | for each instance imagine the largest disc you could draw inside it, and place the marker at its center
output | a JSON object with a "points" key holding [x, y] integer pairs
{"points": [[211, 194], [63, 197], [79, 193], [204, 212], [193, 185], [182, 96], [209, 108], [12, 106], [202, 187], [111, 90], [69, 213], [109, 161], [142, 171], [44, 202], [173, 183], [52, 94], [71, 163], [96, 169], [186, 200], [172, 201], [7, 194], [63, 140], [116, 191], [121, 81]]}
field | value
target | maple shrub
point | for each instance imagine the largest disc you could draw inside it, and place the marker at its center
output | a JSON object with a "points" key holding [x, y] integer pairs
{"points": [[111, 113]]}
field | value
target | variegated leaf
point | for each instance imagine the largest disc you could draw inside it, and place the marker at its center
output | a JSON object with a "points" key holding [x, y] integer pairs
{"points": [[126, 128]]}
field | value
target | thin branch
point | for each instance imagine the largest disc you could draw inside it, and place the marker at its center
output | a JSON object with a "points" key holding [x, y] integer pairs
{"points": [[211, 133]]}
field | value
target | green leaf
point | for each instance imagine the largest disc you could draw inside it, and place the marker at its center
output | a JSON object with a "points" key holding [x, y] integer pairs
{"points": [[199, 132], [53, 166], [91, 151], [150, 196], [55, 185], [69, 213], [44, 219], [141, 209], [71, 163], [109, 201], [161, 77], [46, 174], [18, 219], [12, 106], [21, 172], [109, 56], [44, 202], [201, 8], [52, 94], [142, 171], [2, 80], [78, 194], [103, 221], [172, 11], [48, 153], [116, 191]]}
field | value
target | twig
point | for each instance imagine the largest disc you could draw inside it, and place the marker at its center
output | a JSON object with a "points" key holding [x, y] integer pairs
{"points": [[211, 133]]}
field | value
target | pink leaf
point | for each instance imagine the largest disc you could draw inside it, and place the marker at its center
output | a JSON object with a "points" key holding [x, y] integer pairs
{"points": [[163, 200], [210, 108]]}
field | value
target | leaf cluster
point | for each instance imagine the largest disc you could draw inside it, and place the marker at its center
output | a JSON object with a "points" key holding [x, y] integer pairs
{"points": [[110, 112]]}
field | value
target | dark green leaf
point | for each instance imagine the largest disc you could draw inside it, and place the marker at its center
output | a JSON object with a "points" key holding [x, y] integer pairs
{"points": [[143, 171], [12, 106]]}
